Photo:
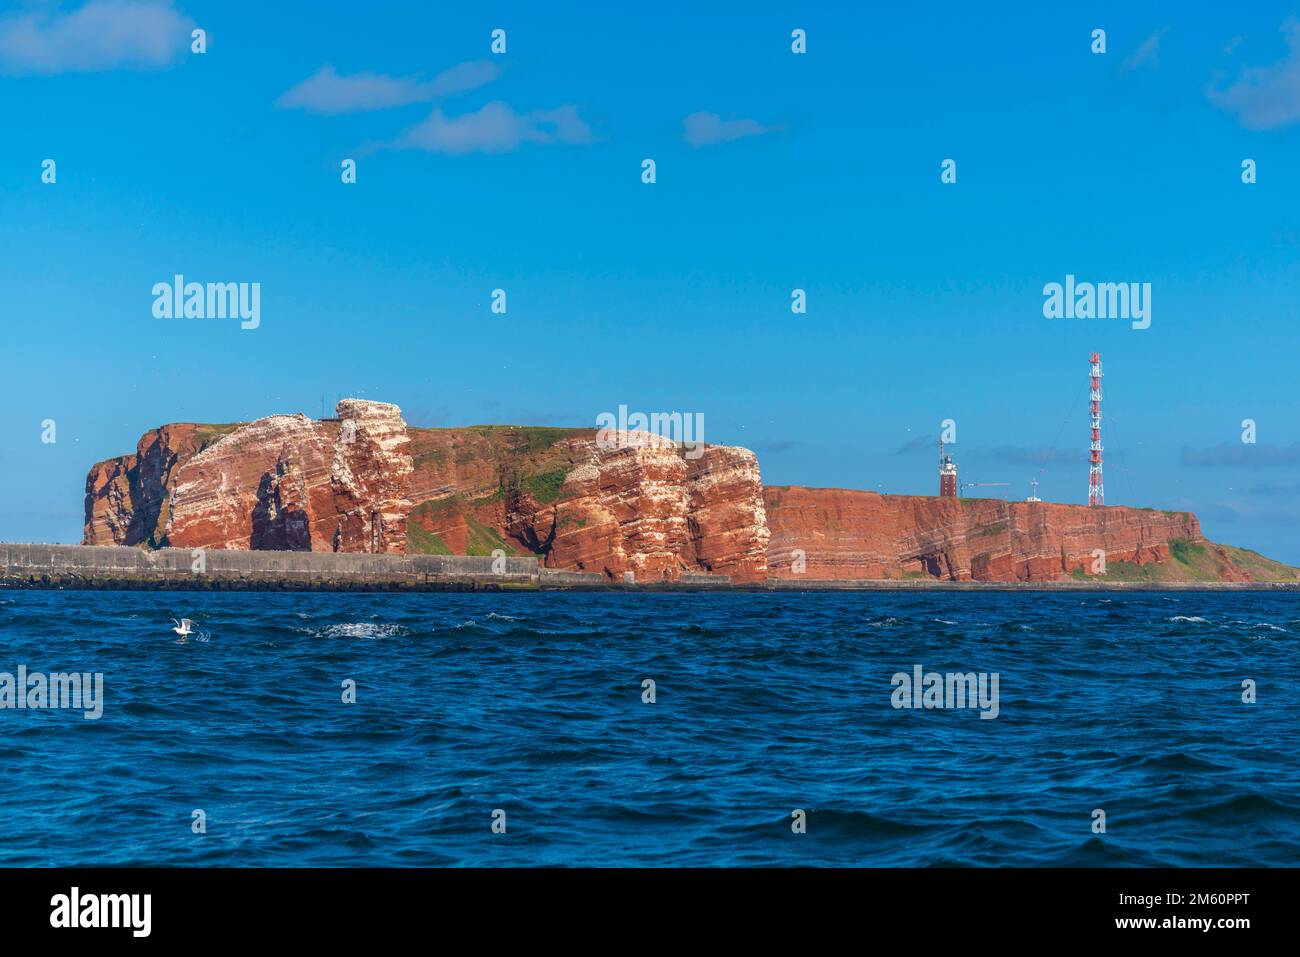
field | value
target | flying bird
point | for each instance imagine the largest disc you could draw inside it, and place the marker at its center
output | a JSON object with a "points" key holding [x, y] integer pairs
{"points": [[185, 628]]}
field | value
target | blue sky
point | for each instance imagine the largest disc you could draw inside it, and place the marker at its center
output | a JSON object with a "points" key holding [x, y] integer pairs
{"points": [[775, 171]]}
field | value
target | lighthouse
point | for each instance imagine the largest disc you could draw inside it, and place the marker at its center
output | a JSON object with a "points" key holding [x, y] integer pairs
{"points": [[947, 474]]}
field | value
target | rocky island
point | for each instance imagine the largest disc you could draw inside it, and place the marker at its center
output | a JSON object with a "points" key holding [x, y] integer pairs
{"points": [[640, 510]]}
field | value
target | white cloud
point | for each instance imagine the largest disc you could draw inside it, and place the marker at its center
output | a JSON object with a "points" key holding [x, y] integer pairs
{"points": [[101, 35], [706, 129], [329, 92], [1266, 97], [496, 128]]}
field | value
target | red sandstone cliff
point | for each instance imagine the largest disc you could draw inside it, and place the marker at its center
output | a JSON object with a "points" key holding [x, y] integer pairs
{"points": [[848, 534], [650, 509], [127, 496], [642, 504], [283, 482], [365, 482]]}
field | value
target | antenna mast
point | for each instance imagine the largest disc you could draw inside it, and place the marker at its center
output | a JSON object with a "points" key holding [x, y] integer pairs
{"points": [[1096, 491]]}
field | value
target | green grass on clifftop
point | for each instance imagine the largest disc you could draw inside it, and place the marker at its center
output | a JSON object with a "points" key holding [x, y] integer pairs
{"points": [[1197, 562], [1261, 568]]}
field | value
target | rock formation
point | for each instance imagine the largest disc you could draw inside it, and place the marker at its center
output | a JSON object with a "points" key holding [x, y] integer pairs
{"points": [[728, 517], [611, 503], [632, 502], [823, 533], [283, 482], [645, 506], [127, 497]]}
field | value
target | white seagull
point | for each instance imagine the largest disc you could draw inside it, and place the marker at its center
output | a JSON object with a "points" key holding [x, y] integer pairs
{"points": [[183, 627]]}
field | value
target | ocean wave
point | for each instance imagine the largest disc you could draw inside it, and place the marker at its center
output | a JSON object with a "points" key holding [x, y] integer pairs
{"points": [[464, 625], [1179, 761], [363, 629], [1250, 805]]}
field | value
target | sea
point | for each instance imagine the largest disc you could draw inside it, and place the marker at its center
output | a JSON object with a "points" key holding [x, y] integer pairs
{"points": [[654, 730]]}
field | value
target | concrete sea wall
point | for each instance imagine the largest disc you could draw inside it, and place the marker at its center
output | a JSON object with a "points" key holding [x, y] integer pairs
{"points": [[101, 566], [109, 566], [115, 567]]}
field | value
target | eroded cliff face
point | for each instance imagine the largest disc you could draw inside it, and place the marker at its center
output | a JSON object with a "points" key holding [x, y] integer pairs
{"points": [[370, 475], [646, 507], [283, 482], [728, 517], [630, 502], [847, 534], [633, 502], [365, 482], [255, 488], [127, 497]]}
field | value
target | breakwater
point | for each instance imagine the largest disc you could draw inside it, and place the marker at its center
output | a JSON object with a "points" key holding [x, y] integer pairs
{"points": [[100, 566], [24, 565]]}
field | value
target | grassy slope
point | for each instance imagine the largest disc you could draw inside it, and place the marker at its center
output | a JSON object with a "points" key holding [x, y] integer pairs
{"points": [[1198, 563], [527, 450], [522, 441], [420, 541], [1260, 568]]}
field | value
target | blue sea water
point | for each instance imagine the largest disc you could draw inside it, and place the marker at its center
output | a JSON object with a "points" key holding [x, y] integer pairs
{"points": [[764, 703]]}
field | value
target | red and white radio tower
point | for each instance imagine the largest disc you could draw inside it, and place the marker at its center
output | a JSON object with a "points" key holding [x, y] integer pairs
{"points": [[1096, 491]]}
